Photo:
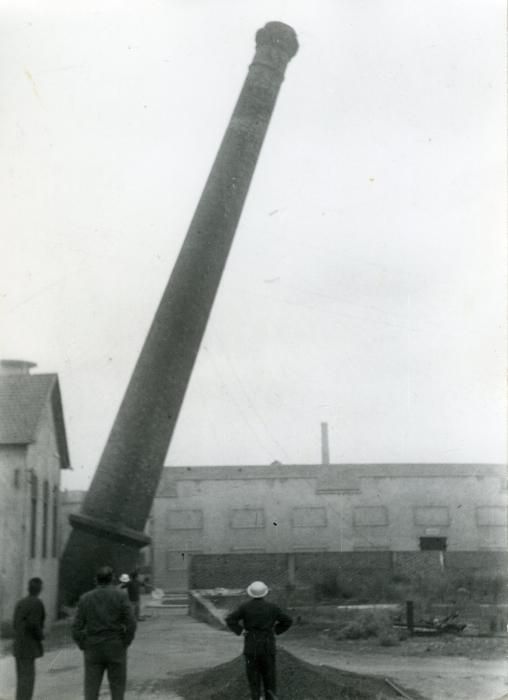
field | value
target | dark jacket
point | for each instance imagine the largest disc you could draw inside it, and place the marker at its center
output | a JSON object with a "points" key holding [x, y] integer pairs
{"points": [[260, 620], [28, 623], [103, 614], [133, 590]]}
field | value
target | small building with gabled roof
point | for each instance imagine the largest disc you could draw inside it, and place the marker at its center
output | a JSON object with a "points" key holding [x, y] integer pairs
{"points": [[33, 451]]}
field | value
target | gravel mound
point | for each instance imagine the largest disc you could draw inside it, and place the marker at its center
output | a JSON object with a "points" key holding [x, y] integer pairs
{"points": [[296, 680]]}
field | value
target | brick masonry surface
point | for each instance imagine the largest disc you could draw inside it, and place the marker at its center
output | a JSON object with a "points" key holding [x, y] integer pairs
{"points": [[351, 568]]}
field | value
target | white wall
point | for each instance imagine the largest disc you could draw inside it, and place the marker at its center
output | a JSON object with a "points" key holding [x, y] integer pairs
{"points": [[42, 457], [13, 484]]}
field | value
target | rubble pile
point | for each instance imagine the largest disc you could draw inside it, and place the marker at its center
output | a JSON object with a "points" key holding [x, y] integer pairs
{"points": [[296, 680]]}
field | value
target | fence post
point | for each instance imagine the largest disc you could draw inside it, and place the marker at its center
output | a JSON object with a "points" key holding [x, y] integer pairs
{"points": [[410, 621]]}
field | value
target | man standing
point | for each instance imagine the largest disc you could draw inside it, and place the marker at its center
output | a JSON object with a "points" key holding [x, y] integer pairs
{"points": [[260, 621], [133, 587], [123, 582], [103, 628], [28, 624]]}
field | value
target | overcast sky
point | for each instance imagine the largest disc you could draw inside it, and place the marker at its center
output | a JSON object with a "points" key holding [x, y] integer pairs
{"points": [[366, 284]]}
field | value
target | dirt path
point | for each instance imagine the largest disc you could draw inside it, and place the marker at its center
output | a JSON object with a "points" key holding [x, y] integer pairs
{"points": [[172, 644], [436, 678]]}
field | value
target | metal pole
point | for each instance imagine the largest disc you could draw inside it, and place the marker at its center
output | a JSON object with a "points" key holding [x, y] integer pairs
{"points": [[410, 621]]}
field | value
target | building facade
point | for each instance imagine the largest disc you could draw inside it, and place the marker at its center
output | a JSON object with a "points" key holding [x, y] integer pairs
{"points": [[324, 508], [33, 451]]}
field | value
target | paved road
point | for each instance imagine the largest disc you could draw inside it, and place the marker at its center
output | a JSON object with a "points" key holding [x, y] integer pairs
{"points": [[172, 643]]}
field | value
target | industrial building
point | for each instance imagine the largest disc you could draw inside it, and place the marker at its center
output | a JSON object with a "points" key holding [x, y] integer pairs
{"points": [[291, 509], [33, 451]]}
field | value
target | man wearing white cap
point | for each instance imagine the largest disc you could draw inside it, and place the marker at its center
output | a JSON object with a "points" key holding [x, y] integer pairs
{"points": [[260, 621], [123, 581]]}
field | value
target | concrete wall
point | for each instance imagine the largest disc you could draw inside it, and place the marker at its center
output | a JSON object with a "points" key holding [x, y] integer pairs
{"points": [[316, 508], [43, 459], [17, 465]]}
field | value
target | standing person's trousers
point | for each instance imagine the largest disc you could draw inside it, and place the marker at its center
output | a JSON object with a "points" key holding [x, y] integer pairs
{"points": [[136, 608], [25, 678], [109, 656], [260, 667]]}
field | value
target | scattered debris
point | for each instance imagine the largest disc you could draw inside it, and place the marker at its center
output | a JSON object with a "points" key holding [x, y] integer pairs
{"points": [[445, 625]]}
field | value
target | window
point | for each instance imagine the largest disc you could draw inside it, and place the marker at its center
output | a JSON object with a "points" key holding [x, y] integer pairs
{"points": [[309, 517], [433, 543], [34, 487], [54, 533], [241, 518], [45, 519], [491, 521], [492, 537], [491, 515], [185, 519]]}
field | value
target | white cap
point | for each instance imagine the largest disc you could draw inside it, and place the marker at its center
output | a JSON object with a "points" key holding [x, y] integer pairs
{"points": [[124, 578], [257, 589]]}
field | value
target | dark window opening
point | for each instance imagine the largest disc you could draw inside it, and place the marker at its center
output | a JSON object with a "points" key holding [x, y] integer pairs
{"points": [[54, 539], [33, 516], [433, 543], [16, 479], [45, 514]]}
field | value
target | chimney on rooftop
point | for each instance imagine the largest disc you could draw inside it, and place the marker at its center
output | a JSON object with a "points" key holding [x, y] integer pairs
{"points": [[9, 367], [325, 449]]}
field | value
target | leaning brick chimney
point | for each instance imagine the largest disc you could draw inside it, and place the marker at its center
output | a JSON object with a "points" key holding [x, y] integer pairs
{"points": [[111, 525]]}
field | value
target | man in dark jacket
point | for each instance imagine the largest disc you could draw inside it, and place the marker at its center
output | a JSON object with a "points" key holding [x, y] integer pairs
{"points": [[28, 624], [103, 628], [259, 621], [133, 591]]}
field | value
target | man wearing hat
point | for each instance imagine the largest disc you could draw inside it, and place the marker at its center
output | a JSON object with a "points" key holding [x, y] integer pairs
{"points": [[103, 628], [259, 621], [123, 582]]}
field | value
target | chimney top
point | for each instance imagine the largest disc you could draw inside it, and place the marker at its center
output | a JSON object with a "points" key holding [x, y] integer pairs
{"points": [[325, 449], [280, 36], [10, 367]]}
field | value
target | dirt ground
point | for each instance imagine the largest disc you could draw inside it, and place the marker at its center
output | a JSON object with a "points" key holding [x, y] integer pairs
{"points": [[171, 645], [488, 648], [447, 667]]}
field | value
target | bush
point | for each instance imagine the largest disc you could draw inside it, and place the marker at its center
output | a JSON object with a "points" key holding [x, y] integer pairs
{"points": [[388, 639], [491, 587], [376, 622], [353, 630], [369, 624], [327, 587]]}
